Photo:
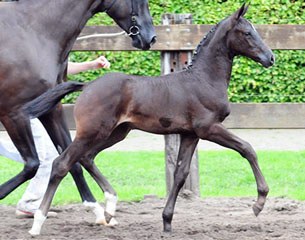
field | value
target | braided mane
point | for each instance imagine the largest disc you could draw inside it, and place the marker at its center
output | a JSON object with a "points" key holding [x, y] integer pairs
{"points": [[203, 42]]}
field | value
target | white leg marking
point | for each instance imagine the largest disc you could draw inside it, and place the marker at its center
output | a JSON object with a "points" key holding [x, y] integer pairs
{"points": [[111, 202], [112, 222], [39, 219], [98, 210]]}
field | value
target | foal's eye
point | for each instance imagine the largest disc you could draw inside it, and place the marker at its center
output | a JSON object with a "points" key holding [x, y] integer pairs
{"points": [[247, 33]]}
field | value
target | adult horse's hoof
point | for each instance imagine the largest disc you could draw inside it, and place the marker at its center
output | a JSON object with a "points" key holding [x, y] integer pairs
{"points": [[257, 209]]}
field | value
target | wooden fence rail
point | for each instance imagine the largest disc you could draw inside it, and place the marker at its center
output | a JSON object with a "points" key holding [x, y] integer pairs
{"points": [[187, 36], [248, 116], [245, 116]]}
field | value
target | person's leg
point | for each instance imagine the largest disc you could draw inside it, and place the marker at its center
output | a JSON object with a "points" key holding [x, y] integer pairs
{"points": [[33, 195]]}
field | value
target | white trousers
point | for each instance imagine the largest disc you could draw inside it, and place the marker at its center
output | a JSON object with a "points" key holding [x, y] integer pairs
{"points": [[46, 151]]}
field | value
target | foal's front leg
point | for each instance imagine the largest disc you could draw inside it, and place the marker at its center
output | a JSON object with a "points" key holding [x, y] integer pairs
{"points": [[186, 150], [219, 134]]}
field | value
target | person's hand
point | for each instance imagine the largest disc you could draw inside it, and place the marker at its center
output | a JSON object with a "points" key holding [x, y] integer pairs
{"points": [[101, 62]]}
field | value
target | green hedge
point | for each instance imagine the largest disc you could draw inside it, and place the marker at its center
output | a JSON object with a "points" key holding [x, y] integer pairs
{"points": [[250, 81]]}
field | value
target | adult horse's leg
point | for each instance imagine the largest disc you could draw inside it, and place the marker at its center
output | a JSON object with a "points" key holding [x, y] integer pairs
{"points": [[57, 129], [19, 129], [219, 134], [186, 150]]}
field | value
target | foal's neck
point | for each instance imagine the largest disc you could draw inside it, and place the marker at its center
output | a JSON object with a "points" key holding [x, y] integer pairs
{"points": [[214, 61]]}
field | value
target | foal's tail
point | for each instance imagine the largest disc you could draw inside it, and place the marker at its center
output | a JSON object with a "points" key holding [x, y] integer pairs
{"points": [[49, 99]]}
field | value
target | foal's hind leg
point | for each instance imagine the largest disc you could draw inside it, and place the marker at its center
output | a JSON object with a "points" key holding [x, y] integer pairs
{"points": [[110, 195], [186, 150], [19, 130], [104, 218], [56, 127], [219, 134]]}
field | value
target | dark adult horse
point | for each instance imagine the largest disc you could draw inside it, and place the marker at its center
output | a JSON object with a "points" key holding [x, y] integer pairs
{"points": [[192, 102], [35, 41]]}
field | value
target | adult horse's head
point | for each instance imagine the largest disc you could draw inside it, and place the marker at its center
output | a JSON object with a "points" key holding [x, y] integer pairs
{"points": [[134, 17], [243, 39]]}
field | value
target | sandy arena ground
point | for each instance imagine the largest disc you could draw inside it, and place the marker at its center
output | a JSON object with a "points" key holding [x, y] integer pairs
{"points": [[194, 219]]}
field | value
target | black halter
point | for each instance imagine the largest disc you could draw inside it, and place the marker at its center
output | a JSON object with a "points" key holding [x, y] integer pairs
{"points": [[134, 29]]}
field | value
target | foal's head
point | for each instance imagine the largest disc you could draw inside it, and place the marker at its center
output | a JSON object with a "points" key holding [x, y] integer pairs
{"points": [[134, 17], [243, 39]]}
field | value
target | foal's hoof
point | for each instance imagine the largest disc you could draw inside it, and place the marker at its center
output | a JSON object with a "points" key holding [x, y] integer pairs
{"points": [[103, 221], [107, 220], [112, 223], [33, 234], [108, 217], [257, 209]]}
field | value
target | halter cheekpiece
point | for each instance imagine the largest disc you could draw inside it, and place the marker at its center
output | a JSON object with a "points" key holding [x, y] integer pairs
{"points": [[134, 29]]}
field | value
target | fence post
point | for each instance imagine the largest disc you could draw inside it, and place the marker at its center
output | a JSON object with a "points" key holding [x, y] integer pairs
{"points": [[172, 61]]}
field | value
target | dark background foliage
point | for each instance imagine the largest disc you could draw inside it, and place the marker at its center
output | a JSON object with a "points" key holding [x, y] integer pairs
{"points": [[250, 81]]}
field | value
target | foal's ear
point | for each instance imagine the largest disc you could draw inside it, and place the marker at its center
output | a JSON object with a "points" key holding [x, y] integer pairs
{"points": [[241, 12]]}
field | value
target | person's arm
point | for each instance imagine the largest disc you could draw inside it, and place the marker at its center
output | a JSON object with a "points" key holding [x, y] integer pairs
{"points": [[101, 62]]}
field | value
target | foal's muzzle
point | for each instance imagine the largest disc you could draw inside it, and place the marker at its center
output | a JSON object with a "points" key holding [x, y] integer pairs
{"points": [[267, 60]]}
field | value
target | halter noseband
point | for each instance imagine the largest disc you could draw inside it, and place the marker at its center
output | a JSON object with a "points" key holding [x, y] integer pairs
{"points": [[134, 29]]}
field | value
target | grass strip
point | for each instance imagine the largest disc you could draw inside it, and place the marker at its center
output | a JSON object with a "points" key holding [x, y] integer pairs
{"points": [[222, 174]]}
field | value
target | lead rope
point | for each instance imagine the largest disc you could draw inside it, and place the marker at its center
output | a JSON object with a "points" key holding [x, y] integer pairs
{"points": [[101, 35], [133, 30]]}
